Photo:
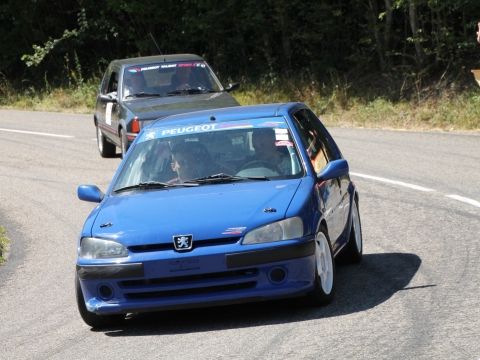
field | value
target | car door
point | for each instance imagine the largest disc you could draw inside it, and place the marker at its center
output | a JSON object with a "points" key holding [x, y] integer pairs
{"points": [[332, 193], [108, 107], [332, 152]]}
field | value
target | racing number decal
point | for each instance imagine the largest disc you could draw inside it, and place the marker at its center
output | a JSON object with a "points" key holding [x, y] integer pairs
{"points": [[108, 113]]}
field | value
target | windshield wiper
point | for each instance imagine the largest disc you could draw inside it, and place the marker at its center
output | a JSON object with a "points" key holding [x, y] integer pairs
{"points": [[224, 178], [143, 94], [188, 91], [152, 185]]}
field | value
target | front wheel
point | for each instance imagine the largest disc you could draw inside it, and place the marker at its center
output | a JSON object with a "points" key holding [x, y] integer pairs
{"points": [[324, 289], [106, 149], [92, 319]]}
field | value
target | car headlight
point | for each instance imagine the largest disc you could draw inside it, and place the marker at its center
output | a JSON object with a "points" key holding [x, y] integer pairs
{"points": [[287, 229], [93, 248]]}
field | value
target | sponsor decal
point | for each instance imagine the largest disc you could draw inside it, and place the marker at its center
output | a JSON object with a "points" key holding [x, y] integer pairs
{"points": [[284, 143], [188, 129], [234, 230], [150, 135], [281, 137], [153, 67], [280, 128], [273, 124], [191, 65], [235, 126]]}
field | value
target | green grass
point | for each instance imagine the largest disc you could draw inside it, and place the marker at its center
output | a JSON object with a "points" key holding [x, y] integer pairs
{"points": [[4, 244], [448, 111], [334, 104], [79, 99]]}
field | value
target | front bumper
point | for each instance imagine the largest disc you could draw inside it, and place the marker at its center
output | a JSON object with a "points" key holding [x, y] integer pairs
{"points": [[199, 279]]}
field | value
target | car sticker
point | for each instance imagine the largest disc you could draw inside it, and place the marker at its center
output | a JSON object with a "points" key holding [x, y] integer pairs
{"points": [[280, 137], [235, 126], [272, 124], [154, 67], [163, 132], [188, 129], [234, 230], [108, 113], [150, 135], [191, 65], [284, 143], [137, 69]]}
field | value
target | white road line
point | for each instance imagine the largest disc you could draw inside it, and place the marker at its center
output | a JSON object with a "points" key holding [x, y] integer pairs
{"points": [[37, 133], [464, 199], [417, 187], [394, 182]]}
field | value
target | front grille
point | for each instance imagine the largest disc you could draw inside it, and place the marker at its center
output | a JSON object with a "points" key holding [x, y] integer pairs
{"points": [[192, 291], [235, 275], [196, 244]]}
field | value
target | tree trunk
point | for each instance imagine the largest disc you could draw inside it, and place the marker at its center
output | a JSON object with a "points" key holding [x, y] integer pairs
{"points": [[373, 16], [412, 14]]}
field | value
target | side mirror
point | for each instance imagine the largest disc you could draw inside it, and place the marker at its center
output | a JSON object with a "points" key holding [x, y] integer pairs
{"points": [[232, 87], [90, 193], [110, 97], [333, 170]]}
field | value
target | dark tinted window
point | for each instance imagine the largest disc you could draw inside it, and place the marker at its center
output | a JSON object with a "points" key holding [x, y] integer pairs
{"points": [[113, 82], [317, 142]]}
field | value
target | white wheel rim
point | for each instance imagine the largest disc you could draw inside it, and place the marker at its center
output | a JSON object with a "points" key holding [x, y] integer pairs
{"points": [[99, 139], [323, 258], [356, 228]]}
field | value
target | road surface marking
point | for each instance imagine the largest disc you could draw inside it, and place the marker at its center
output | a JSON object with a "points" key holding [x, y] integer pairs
{"points": [[394, 182], [417, 187], [37, 133], [464, 199]]}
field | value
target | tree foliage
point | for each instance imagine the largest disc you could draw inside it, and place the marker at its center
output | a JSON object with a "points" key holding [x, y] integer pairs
{"points": [[396, 43]]}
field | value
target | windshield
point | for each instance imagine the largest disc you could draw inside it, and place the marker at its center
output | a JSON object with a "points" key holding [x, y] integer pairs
{"points": [[250, 150], [169, 79]]}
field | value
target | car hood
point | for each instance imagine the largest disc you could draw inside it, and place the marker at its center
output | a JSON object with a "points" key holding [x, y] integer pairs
{"points": [[154, 108], [206, 211]]}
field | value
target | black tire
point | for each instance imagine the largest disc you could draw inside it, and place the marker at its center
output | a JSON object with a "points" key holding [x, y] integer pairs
{"points": [[325, 274], [352, 253], [92, 319], [105, 148], [123, 142]]}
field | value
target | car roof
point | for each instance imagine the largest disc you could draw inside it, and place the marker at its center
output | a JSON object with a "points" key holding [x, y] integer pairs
{"points": [[230, 113], [156, 59]]}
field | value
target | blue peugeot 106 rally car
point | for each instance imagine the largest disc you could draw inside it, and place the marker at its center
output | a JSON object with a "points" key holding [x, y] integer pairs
{"points": [[218, 207]]}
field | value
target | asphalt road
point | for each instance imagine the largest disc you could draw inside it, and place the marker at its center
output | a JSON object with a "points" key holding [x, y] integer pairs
{"points": [[415, 296]]}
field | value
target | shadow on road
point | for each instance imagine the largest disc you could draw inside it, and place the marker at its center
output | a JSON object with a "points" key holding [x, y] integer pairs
{"points": [[359, 288]]}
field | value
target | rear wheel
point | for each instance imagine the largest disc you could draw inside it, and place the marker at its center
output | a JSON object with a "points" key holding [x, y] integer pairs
{"points": [[105, 148], [352, 252], [324, 289], [92, 319]]}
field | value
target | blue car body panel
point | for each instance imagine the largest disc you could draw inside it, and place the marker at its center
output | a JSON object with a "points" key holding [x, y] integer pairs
{"points": [[219, 269]]}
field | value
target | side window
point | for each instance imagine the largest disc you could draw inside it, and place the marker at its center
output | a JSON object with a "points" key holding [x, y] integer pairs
{"points": [[329, 146], [113, 82], [105, 80], [313, 138]]}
